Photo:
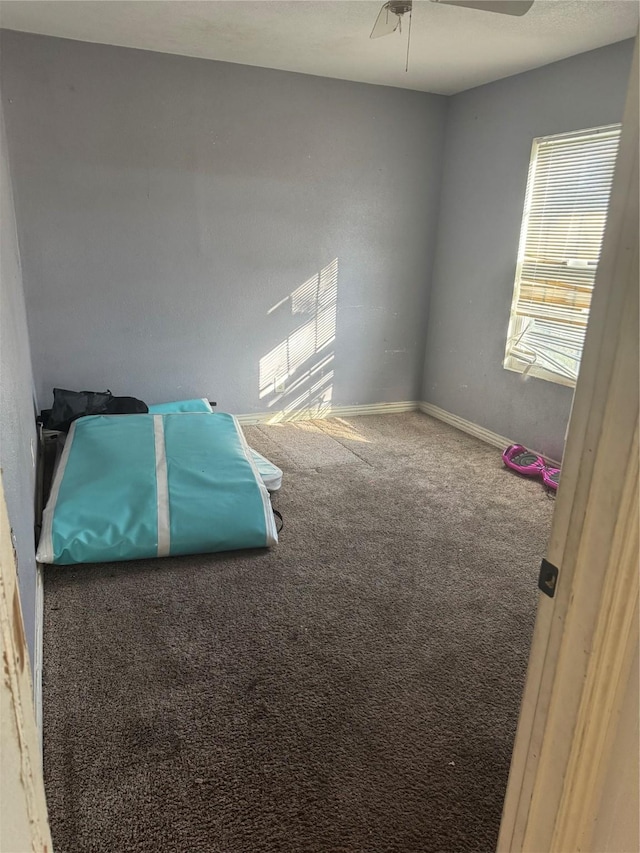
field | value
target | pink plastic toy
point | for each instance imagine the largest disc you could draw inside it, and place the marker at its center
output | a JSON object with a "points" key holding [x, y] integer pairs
{"points": [[529, 464], [550, 477]]}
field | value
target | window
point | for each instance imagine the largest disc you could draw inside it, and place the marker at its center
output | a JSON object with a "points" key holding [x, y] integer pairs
{"points": [[565, 212]]}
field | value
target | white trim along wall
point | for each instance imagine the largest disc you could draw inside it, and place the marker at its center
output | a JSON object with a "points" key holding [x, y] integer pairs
{"points": [[463, 425]]}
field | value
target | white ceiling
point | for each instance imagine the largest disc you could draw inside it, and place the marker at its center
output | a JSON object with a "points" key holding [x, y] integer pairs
{"points": [[452, 48]]}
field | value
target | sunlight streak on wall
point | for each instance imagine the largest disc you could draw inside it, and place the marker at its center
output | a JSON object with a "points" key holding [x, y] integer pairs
{"points": [[289, 365]]}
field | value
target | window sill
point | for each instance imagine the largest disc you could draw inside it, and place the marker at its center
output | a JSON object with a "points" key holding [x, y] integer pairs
{"points": [[537, 373]]}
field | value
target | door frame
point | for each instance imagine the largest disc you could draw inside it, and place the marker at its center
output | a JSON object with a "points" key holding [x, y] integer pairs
{"points": [[24, 823]]}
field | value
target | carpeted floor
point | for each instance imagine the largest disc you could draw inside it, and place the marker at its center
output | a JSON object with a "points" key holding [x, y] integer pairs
{"points": [[354, 690]]}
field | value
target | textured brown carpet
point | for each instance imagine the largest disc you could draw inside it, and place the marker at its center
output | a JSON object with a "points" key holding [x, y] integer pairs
{"points": [[355, 689]]}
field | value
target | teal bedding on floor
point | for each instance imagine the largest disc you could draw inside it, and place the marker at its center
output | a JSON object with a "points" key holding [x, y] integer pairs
{"points": [[271, 475], [201, 404], [152, 485]]}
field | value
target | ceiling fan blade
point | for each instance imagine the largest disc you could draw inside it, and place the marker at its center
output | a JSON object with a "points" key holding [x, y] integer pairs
{"points": [[386, 23], [504, 7]]}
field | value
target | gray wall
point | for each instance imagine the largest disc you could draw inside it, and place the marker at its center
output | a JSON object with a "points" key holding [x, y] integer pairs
{"points": [[165, 205], [488, 145], [17, 412]]}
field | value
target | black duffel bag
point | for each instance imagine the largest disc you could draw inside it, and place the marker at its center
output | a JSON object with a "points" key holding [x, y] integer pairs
{"points": [[68, 406]]}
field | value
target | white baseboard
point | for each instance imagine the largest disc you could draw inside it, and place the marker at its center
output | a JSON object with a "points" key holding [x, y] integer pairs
{"points": [[38, 651], [475, 430], [469, 427], [328, 412], [486, 435]]}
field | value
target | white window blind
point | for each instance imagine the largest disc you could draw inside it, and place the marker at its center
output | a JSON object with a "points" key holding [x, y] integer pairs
{"points": [[565, 212]]}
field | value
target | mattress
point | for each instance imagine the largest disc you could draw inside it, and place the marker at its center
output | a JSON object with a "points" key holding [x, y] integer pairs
{"points": [[271, 475], [151, 485], [201, 404]]}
